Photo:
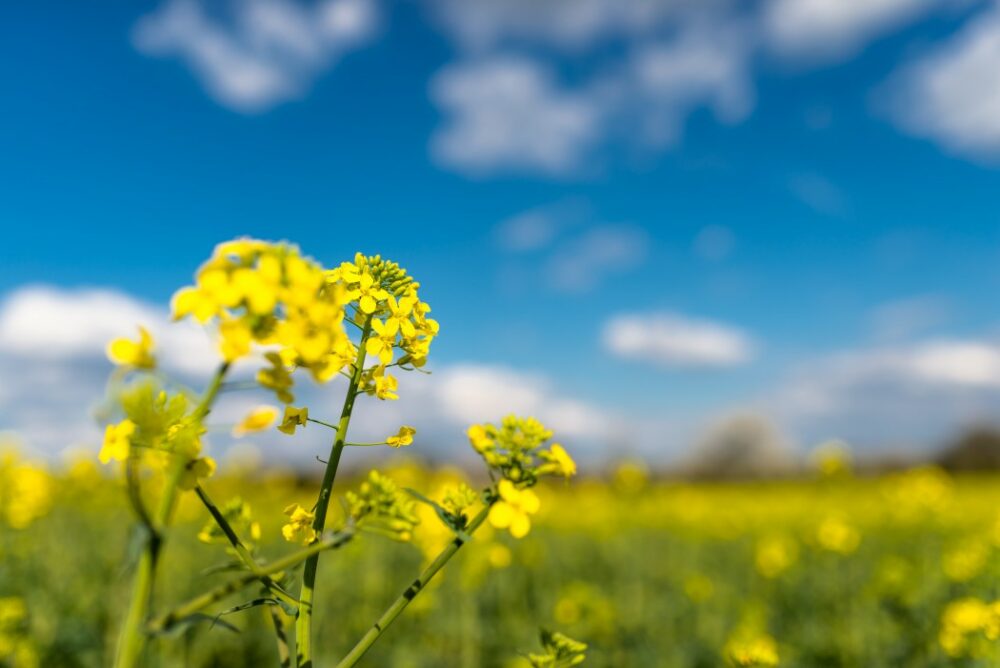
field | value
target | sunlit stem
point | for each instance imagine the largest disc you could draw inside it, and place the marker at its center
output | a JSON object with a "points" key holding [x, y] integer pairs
{"points": [[133, 638], [411, 592], [303, 625]]}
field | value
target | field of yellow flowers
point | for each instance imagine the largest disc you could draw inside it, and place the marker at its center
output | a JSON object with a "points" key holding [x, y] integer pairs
{"points": [[832, 570]]}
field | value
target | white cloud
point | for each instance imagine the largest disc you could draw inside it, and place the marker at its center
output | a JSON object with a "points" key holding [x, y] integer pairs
{"points": [[674, 340], [706, 65], [508, 114], [54, 373], [834, 28], [904, 395], [263, 52], [47, 323], [581, 263], [952, 94]]}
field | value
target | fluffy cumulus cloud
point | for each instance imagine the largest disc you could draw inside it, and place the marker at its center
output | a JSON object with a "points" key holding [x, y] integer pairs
{"points": [[952, 93], [506, 113], [54, 372], [260, 52], [904, 396], [674, 340]]}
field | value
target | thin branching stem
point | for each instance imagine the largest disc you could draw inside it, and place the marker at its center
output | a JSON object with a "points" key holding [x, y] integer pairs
{"points": [[411, 592]]}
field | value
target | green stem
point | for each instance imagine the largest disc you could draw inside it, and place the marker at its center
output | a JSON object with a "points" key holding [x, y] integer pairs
{"points": [[199, 603], [241, 549], [303, 625], [410, 593], [132, 639]]}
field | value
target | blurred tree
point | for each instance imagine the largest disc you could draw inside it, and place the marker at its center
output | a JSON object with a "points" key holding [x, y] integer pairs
{"points": [[976, 450]]}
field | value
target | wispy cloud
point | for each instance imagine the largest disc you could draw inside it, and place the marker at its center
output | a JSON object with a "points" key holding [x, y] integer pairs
{"points": [[261, 52], [674, 340], [582, 263]]}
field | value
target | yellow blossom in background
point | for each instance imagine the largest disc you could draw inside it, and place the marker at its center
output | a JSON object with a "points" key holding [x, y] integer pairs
{"points": [[759, 650], [774, 555], [258, 419], [28, 489], [969, 626], [116, 441], [293, 417], [138, 354], [965, 561], [513, 509], [836, 535], [832, 459], [299, 528], [403, 437]]}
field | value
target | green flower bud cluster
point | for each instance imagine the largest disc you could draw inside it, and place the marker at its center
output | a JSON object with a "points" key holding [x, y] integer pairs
{"points": [[379, 506]]}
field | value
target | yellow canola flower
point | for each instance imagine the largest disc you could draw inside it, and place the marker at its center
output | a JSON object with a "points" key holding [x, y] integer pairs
{"points": [[299, 528], [479, 437], [381, 344], [402, 438], [386, 385], [368, 293], [138, 354], [293, 417], [967, 624], [513, 509], [117, 441], [258, 419], [836, 535]]}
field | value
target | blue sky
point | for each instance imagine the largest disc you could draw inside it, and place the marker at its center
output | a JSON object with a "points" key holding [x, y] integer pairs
{"points": [[657, 215]]}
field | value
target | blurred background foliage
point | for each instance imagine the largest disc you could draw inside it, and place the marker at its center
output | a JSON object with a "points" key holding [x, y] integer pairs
{"points": [[831, 568]]}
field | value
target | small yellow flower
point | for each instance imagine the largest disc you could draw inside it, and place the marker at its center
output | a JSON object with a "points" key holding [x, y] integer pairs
{"points": [[369, 293], [258, 419], [299, 528], [404, 437], [294, 417], [117, 441], [138, 354], [512, 510], [381, 344], [761, 650], [386, 385]]}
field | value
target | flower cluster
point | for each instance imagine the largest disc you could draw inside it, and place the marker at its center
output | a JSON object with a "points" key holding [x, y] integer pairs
{"points": [[16, 645], [388, 309], [379, 506], [969, 626], [268, 294], [516, 449], [162, 426], [559, 651]]}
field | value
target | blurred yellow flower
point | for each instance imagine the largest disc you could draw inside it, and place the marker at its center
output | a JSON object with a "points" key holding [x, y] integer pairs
{"points": [[299, 527], [138, 354], [402, 438], [258, 419], [116, 441], [513, 509]]}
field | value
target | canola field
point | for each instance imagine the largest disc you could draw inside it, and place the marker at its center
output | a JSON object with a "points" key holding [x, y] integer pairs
{"points": [[828, 570]]}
